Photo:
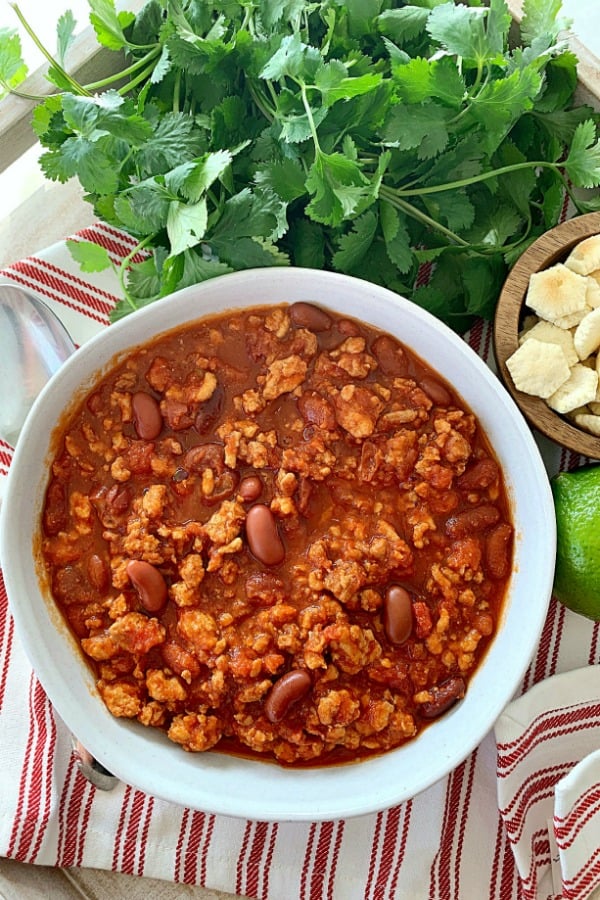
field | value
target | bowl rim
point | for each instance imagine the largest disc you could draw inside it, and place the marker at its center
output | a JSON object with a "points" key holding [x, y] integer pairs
{"points": [[214, 782], [548, 249]]}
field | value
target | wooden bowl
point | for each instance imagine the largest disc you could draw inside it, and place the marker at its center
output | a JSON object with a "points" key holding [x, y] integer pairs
{"points": [[554, 246]]}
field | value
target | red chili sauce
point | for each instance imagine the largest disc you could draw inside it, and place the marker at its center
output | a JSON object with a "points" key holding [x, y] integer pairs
{"points": [[277, 532]]}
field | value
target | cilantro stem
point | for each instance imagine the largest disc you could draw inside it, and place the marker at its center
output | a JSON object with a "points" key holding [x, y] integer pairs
{"points": [[391, 196], [17, 93], [474, 179], [261, 101], [124, 266], [124, 73], [142, 76], [75, 86], [309, 115], [177, 91]]}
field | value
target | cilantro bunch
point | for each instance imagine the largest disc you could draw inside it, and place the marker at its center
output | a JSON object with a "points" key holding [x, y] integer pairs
{"points": [[386, 140]]}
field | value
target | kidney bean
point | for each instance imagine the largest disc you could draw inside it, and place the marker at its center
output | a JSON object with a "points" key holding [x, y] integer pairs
{"points": [[179, 659], [177, 414], [471, 521], [97, 571], [286, 691], [94, 403], [435, 391], [204, 456], [55, 512], [397, 614], [348, 328], [70, 586], [111, 504], [306, 315], [443, 697], [118, 499], [225, 485], [497, 550], [480, 475], [303, 494], [316, 410], [250, 488], [390, 355], [263, 536], [147, 417], [149, 583]]}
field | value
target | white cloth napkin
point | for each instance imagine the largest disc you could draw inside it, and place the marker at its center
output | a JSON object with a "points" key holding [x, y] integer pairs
{"points": [[448, 843], [549, 784]]}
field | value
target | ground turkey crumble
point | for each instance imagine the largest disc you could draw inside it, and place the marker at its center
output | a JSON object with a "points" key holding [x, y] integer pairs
{"points": [[278, 532]]}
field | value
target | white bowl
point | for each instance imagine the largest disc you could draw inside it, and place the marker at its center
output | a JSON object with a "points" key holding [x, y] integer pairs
{"points": [[215, 782]]}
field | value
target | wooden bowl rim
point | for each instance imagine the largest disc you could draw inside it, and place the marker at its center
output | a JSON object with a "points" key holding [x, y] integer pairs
{"points": [[550, 248]]}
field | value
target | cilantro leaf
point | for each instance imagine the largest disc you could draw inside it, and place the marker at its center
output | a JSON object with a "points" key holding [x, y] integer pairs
{"points": [[359, 135], [243, 216], [583, 161], [175, 140], [541, 17], [89, 161], [285, 178], [334, 84], [143, 208], [396, 236], [461, 31], [355, 244], [307, 239], [402, 25], [197, 268], [336, 185], [108, 113], [143, 280], [292, 58], [90, 256], [422, 127], [499, 103], [186, 224], [452, 207], [194, 178], [109, 25], [12, 68]]}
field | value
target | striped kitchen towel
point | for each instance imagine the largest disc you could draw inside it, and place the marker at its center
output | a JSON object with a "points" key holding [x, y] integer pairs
{"points": [[448, 843], [549, 783]]}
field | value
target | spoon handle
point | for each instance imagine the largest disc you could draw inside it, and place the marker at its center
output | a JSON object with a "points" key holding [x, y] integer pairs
{"points": [[33, 345]]}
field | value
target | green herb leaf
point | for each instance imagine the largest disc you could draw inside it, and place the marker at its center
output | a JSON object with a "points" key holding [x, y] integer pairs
{"points": [[337, 186], [65, 33], [541, 18], [461, 31], [397, 237], [193, 179], [90, 256], [402, 25], [358, 135], [583, 161], [12, 68], [109, 25], [354, 246], [143, 209], [186, 224], [422, 127]]}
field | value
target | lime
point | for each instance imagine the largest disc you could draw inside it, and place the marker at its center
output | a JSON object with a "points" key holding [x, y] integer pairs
{"points": [[577, 505]]}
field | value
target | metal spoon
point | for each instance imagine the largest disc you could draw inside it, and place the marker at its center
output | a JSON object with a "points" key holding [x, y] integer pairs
{"points": [[33, 345]]}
